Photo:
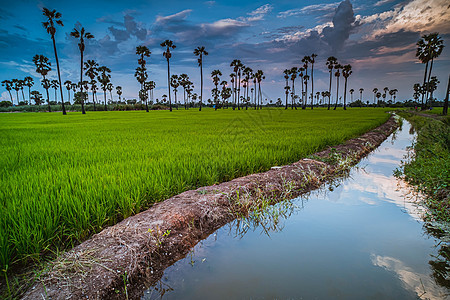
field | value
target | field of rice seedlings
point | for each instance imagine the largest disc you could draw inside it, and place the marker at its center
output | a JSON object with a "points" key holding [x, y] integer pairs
{"points": [[64, 178]]}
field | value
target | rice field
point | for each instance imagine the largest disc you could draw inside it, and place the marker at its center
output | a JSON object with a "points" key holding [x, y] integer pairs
{"points": [[64, 178]]}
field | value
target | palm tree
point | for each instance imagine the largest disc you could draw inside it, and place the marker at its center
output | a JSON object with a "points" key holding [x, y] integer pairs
{"points": [[361, 90], [42, 64], [110, 87], [104, 78], [53, 17], [293, 73], [141, 71], [346, 72], [200, 51], [16, 87], [91, 71], [302, 82], [312, 61], [29, 82], [337, 74], [169, 45], [378, 95], [37, 97], [375, 91], [237, 66], [305, 60], [287, 74], [216, 79], [247, 73], [174, 83], [259, 75], [428, 48], [46, 85], [119, 92], [82, 34], [331, 63], [68, 85], [54, 84], [8, 86], [351, 94]]}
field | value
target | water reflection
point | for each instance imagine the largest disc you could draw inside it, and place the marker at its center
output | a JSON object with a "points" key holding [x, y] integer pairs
{"points": [[359, 237]]}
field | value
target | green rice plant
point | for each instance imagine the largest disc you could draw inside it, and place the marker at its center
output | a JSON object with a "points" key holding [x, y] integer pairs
{"points": [[64, 178]]}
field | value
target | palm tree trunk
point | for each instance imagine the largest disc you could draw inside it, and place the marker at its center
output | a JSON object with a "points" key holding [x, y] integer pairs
{"points": [[201, 82], [312, 85], [424, 81], [428, 85], [445, 109], [59, 76], [56, 96], [29, 95], [10, 95], [329, 90], [337, 94], [104, 93], [81, 85], [168, 83], [93, 98], [345, 92]]}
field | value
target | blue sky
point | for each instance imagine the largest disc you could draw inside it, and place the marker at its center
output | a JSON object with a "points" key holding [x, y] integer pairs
{"points": [[376, 37]]}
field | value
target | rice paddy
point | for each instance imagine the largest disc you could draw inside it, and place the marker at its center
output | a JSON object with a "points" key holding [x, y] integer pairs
{"points": [[64, 178]]}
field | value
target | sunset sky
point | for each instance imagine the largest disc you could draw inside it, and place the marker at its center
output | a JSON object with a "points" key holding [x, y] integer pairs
{"points": [[376, 37]]}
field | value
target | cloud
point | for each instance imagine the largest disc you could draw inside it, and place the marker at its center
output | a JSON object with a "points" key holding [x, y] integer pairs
{"points": [[382, 2], [343, 23], [310, 9], [259, 13], [175, 17]]}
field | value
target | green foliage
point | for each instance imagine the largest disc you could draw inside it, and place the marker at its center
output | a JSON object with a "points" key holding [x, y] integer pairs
{"points": [[429, 165], [64, 178], [5, 103]]}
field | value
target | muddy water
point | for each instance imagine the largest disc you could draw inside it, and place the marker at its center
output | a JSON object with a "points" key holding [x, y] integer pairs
{"points": [[360, 238]]}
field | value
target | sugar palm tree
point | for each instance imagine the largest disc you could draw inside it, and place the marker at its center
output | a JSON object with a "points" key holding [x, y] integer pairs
{"points": [[53, 17], [175, 83], [429, 47], [36, 97], [200, 51], [216, 80], [46, 85], [43, 66], [301, 75], [337, 74], [90, 70], [293, 73], [361, 90], [29, 82], [141, 71], [346, 72], [305, 60], [8, 86], [375, 91], [119, 92], [110, 87], [312, 61], [168, 44], [237, 66], [259, 75], [351, 91], [68, 85], [247, 73], [54, 84], [331, 63], [287, 74], [104, 78], [16, 86], [81, 34]]}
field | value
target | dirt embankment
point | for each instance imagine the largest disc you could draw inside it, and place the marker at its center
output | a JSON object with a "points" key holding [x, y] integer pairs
{"points": [[134, 253]]}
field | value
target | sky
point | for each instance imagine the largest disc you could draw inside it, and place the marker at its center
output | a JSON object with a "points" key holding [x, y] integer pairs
{"points": [[377, 37]]}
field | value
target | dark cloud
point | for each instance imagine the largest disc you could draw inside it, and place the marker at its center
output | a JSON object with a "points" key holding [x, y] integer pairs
{"points": [[20, 27], [132, 28], [343, 23]]}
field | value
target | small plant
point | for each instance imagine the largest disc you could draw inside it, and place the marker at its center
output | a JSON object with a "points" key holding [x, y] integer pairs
{"points": [[158, 235]]}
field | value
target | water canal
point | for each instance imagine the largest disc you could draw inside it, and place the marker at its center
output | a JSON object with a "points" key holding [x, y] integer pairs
{"points": [[360, 238]]}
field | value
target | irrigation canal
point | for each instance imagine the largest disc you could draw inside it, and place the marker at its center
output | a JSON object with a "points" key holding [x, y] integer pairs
{"points": [[360, 238]]}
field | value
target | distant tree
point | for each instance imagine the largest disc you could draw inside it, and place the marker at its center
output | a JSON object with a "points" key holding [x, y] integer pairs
{"points": [[248, 74], [104, 78], [8, 86], [259, 75], [346, 72], [331, 63], [237, 67], [287, 74], [82, 34], [68, 85], [215, 92], [351, 91], [174, 83], [169, 45], [305, 60], [337, 74], [141, 72], [16, 86], [91, 71], [119, 92], [54, 84], [301, 75], [29, 82], [53, 17], [43, 66], [375, 91], [46, 85], [361, 90], [36, 97], [200, 51], [293, 73], [312, 61], [110, 87]]}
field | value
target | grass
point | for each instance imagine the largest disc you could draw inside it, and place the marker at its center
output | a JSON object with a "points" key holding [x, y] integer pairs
{"points": [[428, 167], [64, 178]]}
